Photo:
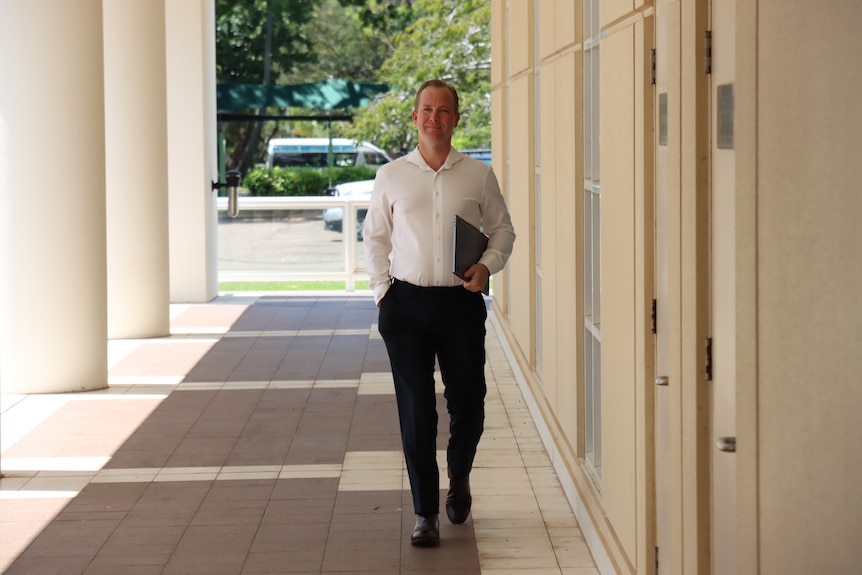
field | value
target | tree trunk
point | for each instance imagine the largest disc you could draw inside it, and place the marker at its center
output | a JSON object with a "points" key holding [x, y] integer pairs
{"points": [[253, 130]]}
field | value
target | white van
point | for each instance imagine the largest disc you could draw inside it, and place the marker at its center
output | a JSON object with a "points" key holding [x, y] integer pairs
{"points": [[313, 153]]}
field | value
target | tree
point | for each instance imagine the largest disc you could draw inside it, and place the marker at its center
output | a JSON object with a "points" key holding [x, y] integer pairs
{"points": [[381, 20], [374, 41], [314, 40], [246, 32], [451, 41], [351, 41], [346, 47]]}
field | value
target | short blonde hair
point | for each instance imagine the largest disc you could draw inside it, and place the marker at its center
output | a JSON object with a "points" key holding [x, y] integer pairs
{"points": [[435, 83]]}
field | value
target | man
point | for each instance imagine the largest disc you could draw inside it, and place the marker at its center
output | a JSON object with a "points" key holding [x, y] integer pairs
{"points": [[426, 311]]}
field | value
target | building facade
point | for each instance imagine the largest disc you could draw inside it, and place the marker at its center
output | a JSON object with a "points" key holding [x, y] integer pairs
{"points": [[683, 295]]}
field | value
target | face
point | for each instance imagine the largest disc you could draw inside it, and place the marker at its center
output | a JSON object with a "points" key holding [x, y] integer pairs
{"points": [[435, 115]]}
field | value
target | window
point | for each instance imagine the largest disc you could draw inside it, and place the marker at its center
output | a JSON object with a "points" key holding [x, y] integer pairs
{"points": [[374, 159], [312, 159], [592, 242]]}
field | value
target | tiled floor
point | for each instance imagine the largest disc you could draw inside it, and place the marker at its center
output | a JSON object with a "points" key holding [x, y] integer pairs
{"points": [[262, 437]]}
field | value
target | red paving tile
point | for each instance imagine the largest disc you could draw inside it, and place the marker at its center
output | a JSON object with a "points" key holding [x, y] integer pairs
{"points": [[159, 505]]}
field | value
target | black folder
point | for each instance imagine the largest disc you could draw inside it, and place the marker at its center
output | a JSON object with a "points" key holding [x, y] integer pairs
{"points": [[470, 244]]}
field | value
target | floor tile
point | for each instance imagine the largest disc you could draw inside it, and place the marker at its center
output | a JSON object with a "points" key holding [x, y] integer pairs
{"points": [[262, 437]]}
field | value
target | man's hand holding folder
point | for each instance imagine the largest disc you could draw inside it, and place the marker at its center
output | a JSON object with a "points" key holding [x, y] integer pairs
{"points": [[470, 244]]}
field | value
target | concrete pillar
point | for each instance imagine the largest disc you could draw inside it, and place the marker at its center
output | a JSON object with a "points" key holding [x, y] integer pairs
{"points": [[192, 156], [53, 318], [136, 168]]}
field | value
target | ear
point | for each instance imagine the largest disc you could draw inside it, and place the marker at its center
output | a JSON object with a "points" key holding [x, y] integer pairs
{"points": [[415, 117], [457, 119]]}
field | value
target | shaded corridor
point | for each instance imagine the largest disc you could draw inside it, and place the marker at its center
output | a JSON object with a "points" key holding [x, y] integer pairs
{"points": [[262, 437]]}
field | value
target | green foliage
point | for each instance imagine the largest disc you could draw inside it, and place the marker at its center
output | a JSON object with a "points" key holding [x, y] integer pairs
{"points": [[450, 41], [344, 47], [241, 27], [400, 43], [382, 19], [285, 182], [310, 40], [351, 174], [300, 181], [257, 41]]}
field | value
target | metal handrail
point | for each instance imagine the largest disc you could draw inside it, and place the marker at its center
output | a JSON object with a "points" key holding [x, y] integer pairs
{"points": [[295, 202]]}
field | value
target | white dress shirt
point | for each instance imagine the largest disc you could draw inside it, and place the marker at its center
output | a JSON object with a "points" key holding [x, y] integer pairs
{"points": [[409, 228]]}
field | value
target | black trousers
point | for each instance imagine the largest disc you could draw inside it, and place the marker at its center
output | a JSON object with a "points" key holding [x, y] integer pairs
{"points": [[420, 325]]}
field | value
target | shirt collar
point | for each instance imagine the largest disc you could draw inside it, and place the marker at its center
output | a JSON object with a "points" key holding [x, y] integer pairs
{"points": [[415, 157]]}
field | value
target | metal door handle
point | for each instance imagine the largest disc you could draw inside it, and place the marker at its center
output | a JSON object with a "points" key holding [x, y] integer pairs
{"points": [[661, 380], [726, 444]]}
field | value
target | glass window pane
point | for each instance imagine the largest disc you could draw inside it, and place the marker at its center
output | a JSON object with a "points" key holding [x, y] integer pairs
{"points": [[592, 238], [588, 255], [597, 258], [588, 392], [597, 406]]}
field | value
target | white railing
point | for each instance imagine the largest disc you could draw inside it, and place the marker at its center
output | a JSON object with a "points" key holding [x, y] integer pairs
{"points": [[283, 239]]}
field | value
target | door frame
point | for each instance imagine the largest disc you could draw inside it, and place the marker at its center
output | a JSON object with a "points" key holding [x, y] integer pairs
{"points": [[683, 521]]}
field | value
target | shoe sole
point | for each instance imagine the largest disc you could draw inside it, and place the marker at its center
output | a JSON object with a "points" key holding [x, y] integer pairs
{"points": [[425, 542], [457, 520]]}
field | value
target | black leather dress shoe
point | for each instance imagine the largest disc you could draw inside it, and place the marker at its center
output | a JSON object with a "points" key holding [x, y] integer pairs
{"points": [[458, 500], [427, 531]]}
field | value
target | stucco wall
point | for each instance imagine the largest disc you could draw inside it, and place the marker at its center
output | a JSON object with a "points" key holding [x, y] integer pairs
{"points": [[809, 278]]}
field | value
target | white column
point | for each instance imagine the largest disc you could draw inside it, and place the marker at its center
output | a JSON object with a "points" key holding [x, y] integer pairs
{"points": [[192, 155], [136, 168], [53, 319]]}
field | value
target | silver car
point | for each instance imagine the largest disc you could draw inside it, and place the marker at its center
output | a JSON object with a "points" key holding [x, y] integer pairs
{"points": [[332, 217]]}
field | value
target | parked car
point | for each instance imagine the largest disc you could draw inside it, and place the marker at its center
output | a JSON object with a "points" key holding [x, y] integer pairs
{"points": [[314, 153], [332, 217]]}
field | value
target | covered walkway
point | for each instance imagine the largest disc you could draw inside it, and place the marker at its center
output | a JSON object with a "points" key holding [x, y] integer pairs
{"points": [[262, 437]]}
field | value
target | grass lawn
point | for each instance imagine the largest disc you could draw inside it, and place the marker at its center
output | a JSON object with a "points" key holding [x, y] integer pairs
{"points": [[290, 286]]}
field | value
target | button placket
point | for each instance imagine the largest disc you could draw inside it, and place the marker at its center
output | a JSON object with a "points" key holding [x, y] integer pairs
{"points": [[439, 272]]}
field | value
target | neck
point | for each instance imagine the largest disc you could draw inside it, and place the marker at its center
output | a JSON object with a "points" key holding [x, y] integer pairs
{"points": [[434, 156]]}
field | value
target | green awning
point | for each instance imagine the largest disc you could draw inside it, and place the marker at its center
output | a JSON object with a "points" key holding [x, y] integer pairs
{"points": [[329, 94]]}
